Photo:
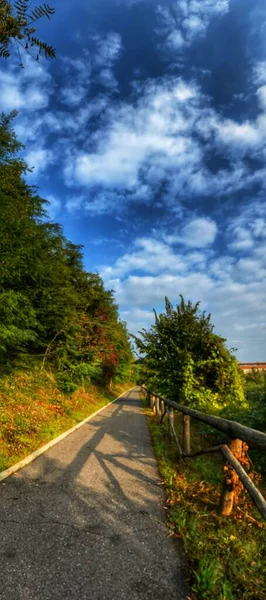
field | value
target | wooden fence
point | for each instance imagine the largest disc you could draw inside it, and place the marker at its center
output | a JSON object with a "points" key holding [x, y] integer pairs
{"points": [[234, 451]]}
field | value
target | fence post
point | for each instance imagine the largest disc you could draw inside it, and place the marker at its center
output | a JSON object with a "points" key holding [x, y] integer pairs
{"points": [[231, 480], [162, 407], [157, 405], [170, 419], [186, 434]]}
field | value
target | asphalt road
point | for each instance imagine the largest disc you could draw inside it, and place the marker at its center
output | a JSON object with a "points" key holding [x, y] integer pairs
{"points": [[84, 521]]}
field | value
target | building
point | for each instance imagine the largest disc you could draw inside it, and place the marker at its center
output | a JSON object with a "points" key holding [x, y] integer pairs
{"points": [[249, 367]]}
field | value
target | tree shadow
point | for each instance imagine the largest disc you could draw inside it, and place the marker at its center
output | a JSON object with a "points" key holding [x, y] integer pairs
{"points": [[90, 528]]}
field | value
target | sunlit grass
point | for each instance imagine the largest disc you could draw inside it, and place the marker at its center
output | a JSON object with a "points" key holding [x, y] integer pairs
{"points": [[227, 555], [33, 411]]}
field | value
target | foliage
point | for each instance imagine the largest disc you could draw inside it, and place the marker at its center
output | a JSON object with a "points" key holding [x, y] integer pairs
{"points": [[255, 393], [17, 25], [187, 362], [52, 308], [253, 414]]}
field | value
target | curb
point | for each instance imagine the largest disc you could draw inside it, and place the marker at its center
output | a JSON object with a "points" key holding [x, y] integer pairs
{"points": [[31, 457]]}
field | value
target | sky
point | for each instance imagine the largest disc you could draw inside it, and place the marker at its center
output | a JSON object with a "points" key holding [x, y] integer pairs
{"points": [[147, 135]]}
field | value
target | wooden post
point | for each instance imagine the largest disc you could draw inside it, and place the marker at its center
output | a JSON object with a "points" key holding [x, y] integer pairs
{"points": [[157, 405], [255, 494], [153, 404], [230, 480], [162, 407], [176, 439], [186, 434], [170, 420]]}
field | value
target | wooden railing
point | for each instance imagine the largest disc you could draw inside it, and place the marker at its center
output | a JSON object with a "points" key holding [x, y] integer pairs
{"points": [[234, 451]]}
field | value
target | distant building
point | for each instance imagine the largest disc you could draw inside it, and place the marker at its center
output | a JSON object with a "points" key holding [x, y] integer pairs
{"points": [[249, 367]]}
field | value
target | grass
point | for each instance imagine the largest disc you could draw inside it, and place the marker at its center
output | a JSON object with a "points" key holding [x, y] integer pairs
{"points": [[227, 555], [33, 411]]}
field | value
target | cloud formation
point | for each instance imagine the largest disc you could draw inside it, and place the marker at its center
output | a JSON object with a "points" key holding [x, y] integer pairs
{"points": [[184, 21], [167, 165], [160, 144], [232, 286], [23, 89]]}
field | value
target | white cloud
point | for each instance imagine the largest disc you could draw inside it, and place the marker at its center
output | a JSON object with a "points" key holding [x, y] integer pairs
{"points": [[154, 134], [259, 73], [241, 239], [54, 206], [94, 66], [27, 89], [150, 256], [163, 139], [243, 136], [154, 255], [38, 160], [186, 20], [108, 51], [197, 233], [77, 79], [262, 97], [232, 302], [247, 229], [231, 287], [152, 148]]}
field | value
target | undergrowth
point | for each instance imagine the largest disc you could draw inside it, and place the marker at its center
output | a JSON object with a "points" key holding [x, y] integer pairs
{"points": [[33, 411], [227, 555]]}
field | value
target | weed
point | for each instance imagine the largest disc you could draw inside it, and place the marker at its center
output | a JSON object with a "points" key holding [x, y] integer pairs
{"points": [[227, 555]]}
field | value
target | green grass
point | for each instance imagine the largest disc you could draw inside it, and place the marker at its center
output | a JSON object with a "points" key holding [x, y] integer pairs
{"points": [[33, 411], [227, 555]]}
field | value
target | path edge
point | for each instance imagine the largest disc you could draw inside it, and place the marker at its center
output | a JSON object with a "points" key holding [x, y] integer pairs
{"points": [[31, 457]]}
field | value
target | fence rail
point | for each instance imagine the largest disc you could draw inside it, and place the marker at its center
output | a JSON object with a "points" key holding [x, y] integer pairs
{"points": [[234, 452]]}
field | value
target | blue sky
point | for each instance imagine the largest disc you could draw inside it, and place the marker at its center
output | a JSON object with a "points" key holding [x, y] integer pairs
{"points": [[147, 134]]}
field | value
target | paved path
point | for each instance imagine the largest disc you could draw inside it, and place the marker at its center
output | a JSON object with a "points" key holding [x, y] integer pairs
{"points": [[85, 521]]}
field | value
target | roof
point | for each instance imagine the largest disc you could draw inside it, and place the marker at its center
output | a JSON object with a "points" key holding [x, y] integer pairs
{"points": [[253, 365]]}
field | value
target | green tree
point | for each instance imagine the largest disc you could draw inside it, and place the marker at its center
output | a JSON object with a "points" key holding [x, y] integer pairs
{"points": [[186, 361], [50, 307], [17, 26]]}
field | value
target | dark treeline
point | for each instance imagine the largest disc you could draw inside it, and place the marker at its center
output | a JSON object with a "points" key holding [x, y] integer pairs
{"points": [[52, 312]]}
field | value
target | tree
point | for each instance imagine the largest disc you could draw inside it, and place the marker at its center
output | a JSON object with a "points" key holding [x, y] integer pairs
{"points": [[17, 25], [186, 361], [51, 309]]}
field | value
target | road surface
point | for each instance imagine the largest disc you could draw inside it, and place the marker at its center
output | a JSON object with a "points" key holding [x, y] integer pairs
{"points": [[84, 521]]}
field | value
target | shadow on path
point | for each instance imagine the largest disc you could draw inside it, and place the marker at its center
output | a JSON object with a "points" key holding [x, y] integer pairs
{"points": [[84, 521]]}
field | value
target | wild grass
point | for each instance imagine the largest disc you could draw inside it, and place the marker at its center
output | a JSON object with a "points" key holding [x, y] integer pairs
{"points": [[227, 555], [33, 411]]}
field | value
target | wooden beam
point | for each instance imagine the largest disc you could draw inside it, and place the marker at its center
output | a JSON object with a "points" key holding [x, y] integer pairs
{"points": [[200, 452], [233, 429]]}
